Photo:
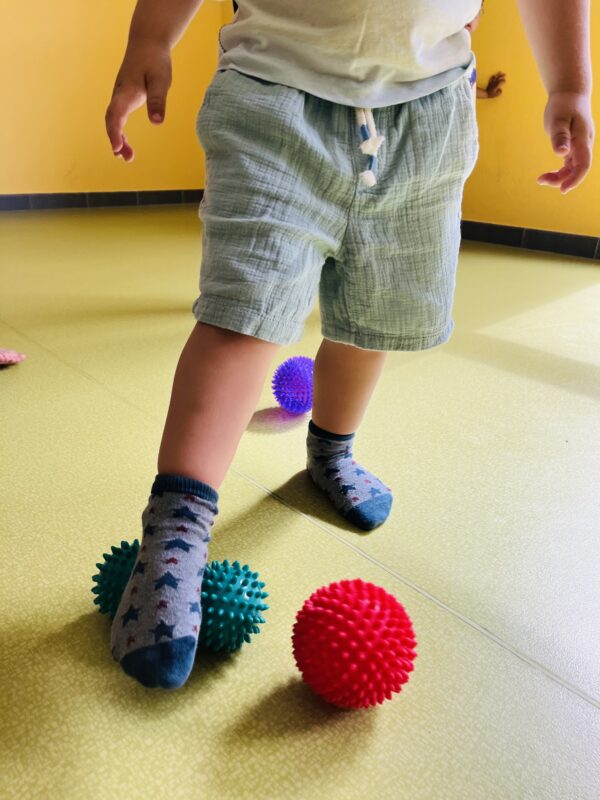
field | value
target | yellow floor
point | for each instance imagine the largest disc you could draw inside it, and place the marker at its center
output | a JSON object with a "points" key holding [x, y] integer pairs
{"points": [[490, 444]]}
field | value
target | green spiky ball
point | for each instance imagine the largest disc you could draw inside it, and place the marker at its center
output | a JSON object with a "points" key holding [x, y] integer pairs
{"points": [[232, 606], [232, 597], [113, 576]]}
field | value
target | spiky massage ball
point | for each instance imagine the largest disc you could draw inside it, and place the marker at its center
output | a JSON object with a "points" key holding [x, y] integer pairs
{"points": [[232, 606], [112, 578], [354, 644], [293, 384], [8, 357], [232, 597]]}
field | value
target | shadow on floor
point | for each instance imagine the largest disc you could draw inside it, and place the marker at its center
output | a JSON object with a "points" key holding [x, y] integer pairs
{"points": [[275, 420], [300, 493]]}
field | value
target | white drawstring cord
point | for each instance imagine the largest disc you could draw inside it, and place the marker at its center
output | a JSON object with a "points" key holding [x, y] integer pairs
{"points": [[370, 145]]}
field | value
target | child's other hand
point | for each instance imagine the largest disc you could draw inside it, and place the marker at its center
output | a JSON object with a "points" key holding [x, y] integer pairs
{"points": [[494, 87], [568, 122], [144, 77]]}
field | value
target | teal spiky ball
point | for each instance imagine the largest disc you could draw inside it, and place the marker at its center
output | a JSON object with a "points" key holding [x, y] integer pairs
{"points": [[113, 576], [232, 597], [232, 606]]}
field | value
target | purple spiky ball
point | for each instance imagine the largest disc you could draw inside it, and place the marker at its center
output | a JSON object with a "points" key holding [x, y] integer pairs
{"points": [[293, 384]]}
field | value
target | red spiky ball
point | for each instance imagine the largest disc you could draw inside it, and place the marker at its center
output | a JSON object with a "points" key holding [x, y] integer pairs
{"points": [[354, 644]]}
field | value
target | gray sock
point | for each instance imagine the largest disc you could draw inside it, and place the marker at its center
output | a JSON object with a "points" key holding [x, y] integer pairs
{"points": [[358, 495], [154, 634]]}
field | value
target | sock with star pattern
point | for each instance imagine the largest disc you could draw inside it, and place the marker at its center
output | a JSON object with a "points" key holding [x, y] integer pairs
{"points": [[358, 495], [154, 634]]}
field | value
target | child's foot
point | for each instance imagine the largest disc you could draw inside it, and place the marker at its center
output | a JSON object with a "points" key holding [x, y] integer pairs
{"points": [[155, 631], [357, 494]]}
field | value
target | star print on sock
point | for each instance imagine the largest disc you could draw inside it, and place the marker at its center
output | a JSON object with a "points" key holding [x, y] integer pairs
{"points": [[131, 613], [162, 629], [173, 544], [152, 634], [355, 492], [168, 579], [185, 512]]}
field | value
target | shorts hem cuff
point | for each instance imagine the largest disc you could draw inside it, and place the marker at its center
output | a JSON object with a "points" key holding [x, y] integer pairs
{"points": [[231, 315], [382, 342]]}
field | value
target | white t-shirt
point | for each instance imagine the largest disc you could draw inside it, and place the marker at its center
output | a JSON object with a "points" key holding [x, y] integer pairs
{"points": [[365, 53]]}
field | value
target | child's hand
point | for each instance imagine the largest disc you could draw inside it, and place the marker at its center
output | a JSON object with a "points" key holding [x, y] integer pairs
{"points": [[144, 77], [568, 122], [494, 87]]}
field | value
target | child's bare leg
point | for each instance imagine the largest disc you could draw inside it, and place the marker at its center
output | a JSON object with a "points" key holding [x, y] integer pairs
{"points": [[217, 384], [344, 380]]}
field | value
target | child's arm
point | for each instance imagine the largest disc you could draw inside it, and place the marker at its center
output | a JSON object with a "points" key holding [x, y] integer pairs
{"points": [[145, 74], [559, 34]]}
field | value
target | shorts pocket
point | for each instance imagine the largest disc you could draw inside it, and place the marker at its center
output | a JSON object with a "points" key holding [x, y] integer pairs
{"points": [[470, 126]]}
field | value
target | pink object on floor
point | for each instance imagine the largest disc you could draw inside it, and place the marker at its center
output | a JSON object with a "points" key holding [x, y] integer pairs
{"points": [[10, 357]]}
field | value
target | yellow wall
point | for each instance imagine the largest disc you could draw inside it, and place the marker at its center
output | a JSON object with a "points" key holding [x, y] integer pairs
{"points": [[62, 58], [514, 147]]}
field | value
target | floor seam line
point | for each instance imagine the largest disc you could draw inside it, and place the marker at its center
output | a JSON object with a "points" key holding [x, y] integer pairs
{"points": [[82, 373], [537, 665]]}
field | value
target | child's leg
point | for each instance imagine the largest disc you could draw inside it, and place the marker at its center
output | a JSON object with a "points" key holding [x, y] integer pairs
{"points": [[217, 385], [344, 380]]}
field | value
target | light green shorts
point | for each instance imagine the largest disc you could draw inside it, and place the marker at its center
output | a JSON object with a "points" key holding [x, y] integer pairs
{"points": [[285, 214]]}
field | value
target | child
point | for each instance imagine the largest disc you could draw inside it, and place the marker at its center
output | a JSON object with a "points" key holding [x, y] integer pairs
{"points": [[303, 195]]}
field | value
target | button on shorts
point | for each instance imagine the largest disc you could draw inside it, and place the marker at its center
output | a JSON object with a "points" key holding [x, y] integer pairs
{"points": [[286, 218]]}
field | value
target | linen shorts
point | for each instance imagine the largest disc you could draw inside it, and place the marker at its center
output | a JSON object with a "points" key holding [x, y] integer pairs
{"points": [[286, 218]]}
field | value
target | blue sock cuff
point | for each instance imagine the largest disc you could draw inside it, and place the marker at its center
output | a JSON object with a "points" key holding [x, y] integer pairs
{"points": [[323, 434], [179, 483]]}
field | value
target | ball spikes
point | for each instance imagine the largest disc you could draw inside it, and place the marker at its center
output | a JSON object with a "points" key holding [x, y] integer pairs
{"points": [[232, 597]]}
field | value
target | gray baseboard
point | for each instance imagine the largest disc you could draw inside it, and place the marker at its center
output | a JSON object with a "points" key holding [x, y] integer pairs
{"points": [[530, 239], [526, 238], [21, 202]]}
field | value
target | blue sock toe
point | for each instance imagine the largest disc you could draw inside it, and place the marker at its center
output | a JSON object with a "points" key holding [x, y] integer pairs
{"points": [[166, 664], [371, 513]]}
